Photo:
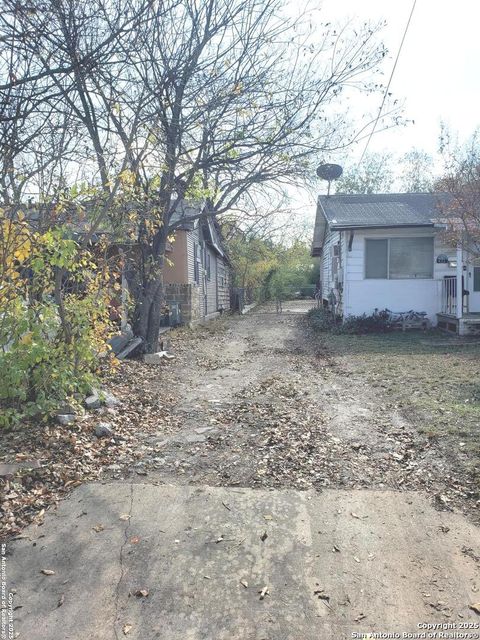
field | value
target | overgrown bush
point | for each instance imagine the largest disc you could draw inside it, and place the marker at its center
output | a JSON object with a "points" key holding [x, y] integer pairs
{"points": [[54, 321], [376, 323], [322, 320]]}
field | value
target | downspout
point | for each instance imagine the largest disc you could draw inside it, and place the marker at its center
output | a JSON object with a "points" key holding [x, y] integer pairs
{"points": [[348, 248]]}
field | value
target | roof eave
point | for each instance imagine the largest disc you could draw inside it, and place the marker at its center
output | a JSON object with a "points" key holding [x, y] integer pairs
{"points": [[348, 227]]}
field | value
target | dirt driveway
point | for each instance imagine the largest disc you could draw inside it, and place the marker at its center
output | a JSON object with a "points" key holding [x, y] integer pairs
{"points": [[285, 500]]}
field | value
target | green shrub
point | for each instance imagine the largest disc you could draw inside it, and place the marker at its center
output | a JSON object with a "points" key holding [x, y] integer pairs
{"points": [[41, 370]]}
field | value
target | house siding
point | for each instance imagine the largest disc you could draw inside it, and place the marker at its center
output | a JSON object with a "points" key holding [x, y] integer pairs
{"points": [[223, 279], [211, 283], [211, 294], [193, 237], [363, 295], [327, 275], [175, 268]]}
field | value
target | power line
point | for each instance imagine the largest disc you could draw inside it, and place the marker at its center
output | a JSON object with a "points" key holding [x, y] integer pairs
{"points": [[389, 82]]}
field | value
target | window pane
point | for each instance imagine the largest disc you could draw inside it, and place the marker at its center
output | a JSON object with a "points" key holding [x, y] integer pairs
{"points": [[376, 258], [411, 258], [476, 279]]}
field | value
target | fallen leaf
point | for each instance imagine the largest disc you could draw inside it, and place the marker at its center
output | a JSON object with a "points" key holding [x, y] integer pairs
{"points": [[126, 629], [268, 517], [61, 600], [48, 572], [475, 607], [125, 516], [98, 528], [219, 539], [356, 559], [141, 593], [264, 592]]}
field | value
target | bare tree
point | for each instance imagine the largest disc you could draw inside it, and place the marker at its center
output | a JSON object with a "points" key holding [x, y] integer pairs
{"points": [[461, 182], [374, 175], [416, 171], [205, 101]]}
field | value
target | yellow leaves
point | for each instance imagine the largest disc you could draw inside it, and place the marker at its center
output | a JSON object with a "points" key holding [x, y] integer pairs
{"points": [[26, 339], [23, 251], [15, 248], [127, 178]]}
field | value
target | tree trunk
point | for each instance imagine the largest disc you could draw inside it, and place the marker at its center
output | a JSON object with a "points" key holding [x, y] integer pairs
{"points": [[150, 302]]}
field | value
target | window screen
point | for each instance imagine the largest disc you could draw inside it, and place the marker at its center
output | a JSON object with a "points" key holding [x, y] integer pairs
{"points": [[476, 278], [397, 258], [411, 258], [376, 259]]}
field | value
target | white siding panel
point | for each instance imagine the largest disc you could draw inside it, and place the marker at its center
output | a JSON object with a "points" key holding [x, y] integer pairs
{"points": [[365, 295], [332, 237], [223, 284], [211, 298], [192, 237]]}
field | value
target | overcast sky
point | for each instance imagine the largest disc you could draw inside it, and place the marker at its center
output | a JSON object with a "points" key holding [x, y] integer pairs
{"points": [[438, 71]]}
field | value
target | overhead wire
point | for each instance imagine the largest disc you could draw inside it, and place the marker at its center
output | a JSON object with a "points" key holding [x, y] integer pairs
{"points": [[386, 92]]}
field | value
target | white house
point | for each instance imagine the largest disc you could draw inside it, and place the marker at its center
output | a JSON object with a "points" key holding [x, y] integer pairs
{"points": [[388, 251]]}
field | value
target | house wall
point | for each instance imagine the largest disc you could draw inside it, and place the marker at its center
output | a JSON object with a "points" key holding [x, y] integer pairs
{"points": [[192, 237], [326, 272], [363, 295], [210, 294], [211, 283], [188, 297], [223, 280], [176, 272]]}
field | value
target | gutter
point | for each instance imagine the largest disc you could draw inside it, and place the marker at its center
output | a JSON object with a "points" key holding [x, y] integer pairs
{"points": [[348, 227]]}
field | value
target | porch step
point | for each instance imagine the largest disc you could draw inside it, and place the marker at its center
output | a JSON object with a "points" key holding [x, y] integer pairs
{"points": [[466, 326]]}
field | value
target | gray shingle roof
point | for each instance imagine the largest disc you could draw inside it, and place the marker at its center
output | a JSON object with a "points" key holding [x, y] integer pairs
{"points": [[381, 210], [185, 215]]}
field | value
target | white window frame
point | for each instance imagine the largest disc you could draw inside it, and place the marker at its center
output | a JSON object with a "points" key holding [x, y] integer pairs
{"points": [[388, 238]]}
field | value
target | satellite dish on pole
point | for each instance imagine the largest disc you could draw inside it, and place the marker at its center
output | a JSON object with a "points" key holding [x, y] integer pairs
{"points": [[329, 172]]}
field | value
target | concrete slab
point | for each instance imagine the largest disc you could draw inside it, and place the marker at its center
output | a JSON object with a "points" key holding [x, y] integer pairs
{"points": [[381, 561]]}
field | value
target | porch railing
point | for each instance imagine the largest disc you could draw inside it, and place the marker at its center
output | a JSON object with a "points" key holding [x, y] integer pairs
{"points": [[449, 295]]}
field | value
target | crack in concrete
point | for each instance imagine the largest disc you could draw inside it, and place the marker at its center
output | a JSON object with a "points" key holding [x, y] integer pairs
{"points": [[121, 562]]}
